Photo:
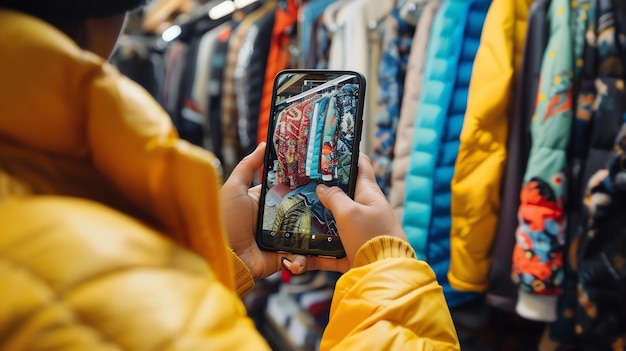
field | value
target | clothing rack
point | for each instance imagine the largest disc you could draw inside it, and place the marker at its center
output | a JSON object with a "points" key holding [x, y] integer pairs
{"points": [[204, 19], [316, 89]]}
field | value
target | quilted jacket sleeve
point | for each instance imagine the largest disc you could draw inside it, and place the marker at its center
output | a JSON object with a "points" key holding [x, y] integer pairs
{"points": [[244, 282], [476, 183], [389, 301], [98, 280]]}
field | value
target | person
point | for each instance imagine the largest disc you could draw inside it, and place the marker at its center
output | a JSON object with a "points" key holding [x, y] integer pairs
{"points": [[117, 235]]}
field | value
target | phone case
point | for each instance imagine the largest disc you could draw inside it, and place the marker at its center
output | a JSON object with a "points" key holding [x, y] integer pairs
{"points": [[313, 138]]}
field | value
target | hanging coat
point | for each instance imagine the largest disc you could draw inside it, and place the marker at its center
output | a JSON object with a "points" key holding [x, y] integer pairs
{"points": [[502, 292], [455, 38], [482, 153]]}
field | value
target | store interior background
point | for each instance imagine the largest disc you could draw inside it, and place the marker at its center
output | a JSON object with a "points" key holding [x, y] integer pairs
{"points": [[211, 66]]}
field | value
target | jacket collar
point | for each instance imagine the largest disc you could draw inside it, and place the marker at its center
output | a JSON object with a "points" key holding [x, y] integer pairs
{"points": [[60, 102]]}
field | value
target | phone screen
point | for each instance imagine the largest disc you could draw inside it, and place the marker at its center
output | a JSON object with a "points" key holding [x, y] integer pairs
{"points": [[313, 139]]}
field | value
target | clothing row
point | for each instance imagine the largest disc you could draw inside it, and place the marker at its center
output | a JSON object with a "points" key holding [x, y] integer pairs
{"points": [[211, 78], [503, 160], [417, 135], [216, 78]]}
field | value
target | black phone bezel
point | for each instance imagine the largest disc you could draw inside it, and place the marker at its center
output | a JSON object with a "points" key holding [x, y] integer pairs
{"points": [[259, 235]]}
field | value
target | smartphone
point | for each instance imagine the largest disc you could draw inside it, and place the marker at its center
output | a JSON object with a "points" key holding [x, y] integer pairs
{"points": [[313, 138]]}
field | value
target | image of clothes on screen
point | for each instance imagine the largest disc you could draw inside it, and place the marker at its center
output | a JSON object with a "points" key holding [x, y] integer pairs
{"points": [[290, 141], [311, 134]]}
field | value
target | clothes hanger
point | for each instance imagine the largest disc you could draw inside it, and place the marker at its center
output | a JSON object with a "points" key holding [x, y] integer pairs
{"points": [[411, 10], [206, 17], [319, 88], [159, 15], [374, 11], [331, 13]]}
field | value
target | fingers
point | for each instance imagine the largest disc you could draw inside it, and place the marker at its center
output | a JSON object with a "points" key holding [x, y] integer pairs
{"points": [[298, 264], [366, 172], [244, 173], [336, 200], [333, 198], [366, 176], [315, 263]]}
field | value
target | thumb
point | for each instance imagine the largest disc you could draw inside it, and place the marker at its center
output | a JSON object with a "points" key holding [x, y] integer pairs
{"points": [[244, 172], [367, 188], [366, 171], [333, 198]]}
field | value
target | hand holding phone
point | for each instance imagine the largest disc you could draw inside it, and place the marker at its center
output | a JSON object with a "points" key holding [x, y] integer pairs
{"points": [[239, 203], [367, 216], [314, 137]]}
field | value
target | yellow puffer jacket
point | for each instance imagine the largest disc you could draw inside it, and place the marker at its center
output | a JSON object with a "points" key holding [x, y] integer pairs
{"points": [[111, 233], [77, 275], [476, 183]]}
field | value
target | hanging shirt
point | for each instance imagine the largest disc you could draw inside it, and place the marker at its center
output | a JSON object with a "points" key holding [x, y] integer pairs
{"points": [[216, 69], [397, 40], [249, 78], [231, 147], [328, 159], [291, 139], [316, 152], [310, 13], [312, 133], [347, 98], [278, 59]]}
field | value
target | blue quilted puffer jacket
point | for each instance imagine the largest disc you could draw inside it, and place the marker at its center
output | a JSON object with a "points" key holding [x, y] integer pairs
{"points": [[455, 37]]}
